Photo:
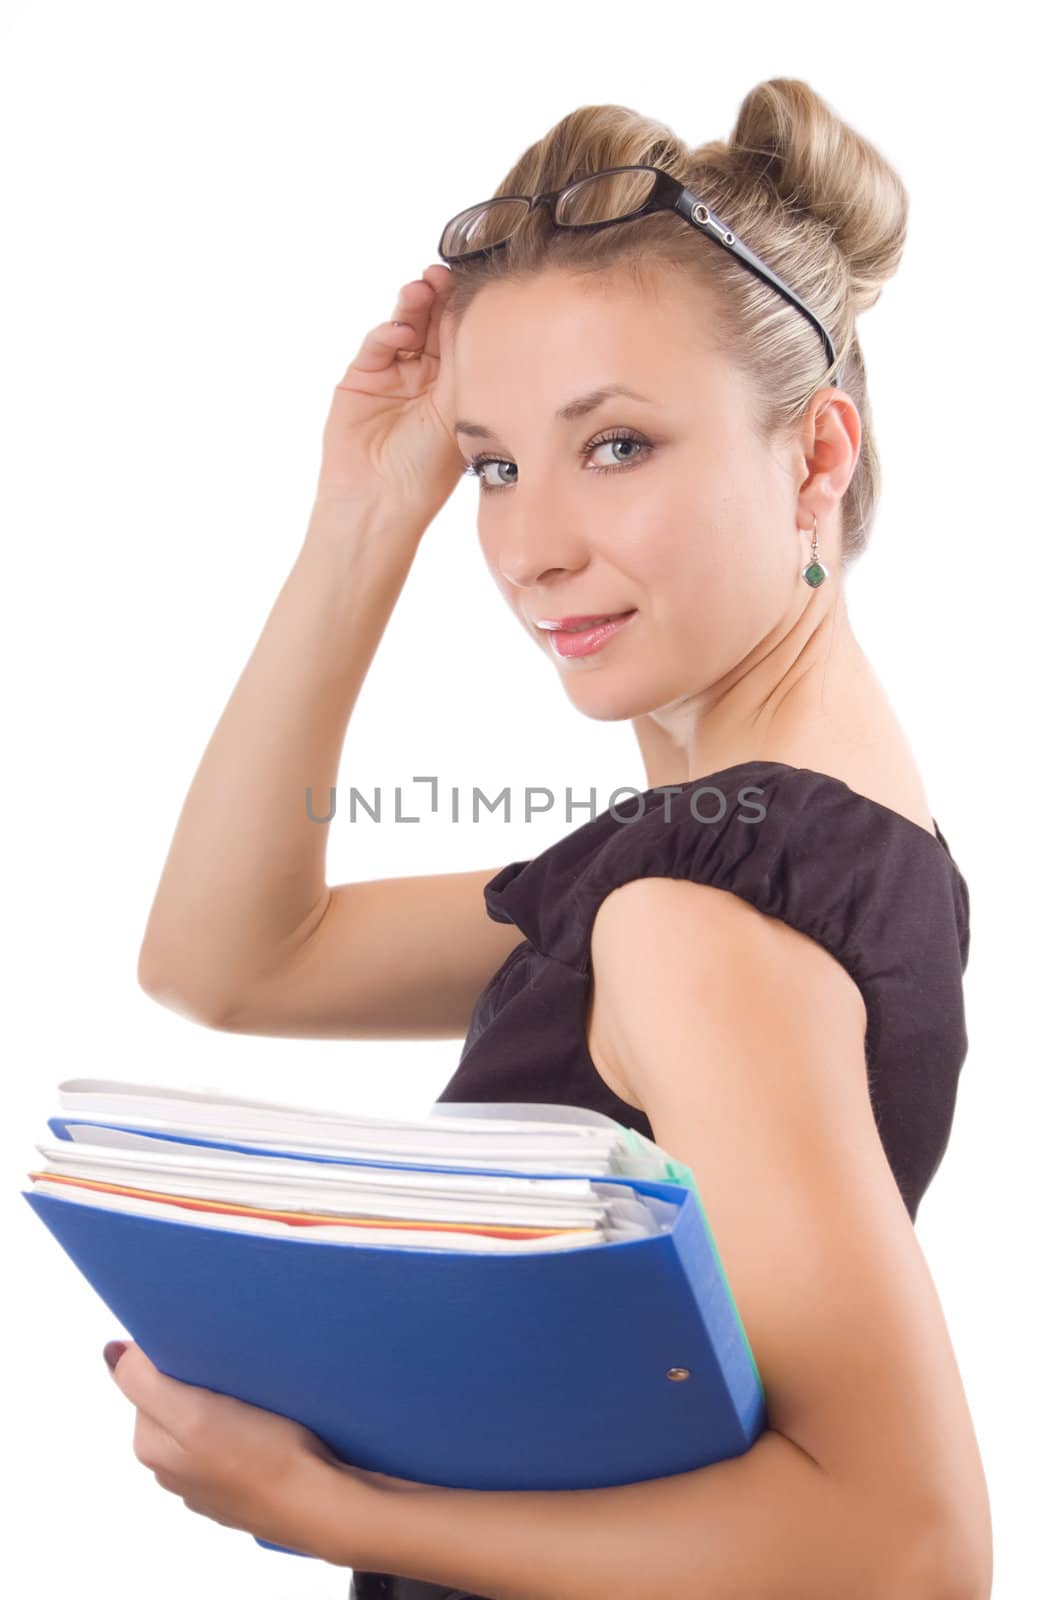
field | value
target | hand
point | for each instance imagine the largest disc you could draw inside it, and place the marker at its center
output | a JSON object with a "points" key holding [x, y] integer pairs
{"points": [[245, 1467], [389, 434]]}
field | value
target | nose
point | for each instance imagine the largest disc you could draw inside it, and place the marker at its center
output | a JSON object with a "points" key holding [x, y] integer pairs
{"points": [[535, 549], [534, 575]]}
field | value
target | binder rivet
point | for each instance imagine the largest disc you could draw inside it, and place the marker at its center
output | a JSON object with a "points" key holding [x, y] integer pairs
{"points": [[678, 1374]]}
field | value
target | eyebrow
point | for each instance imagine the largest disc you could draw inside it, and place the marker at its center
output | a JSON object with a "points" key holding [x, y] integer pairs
{"points": [[579, 407]]}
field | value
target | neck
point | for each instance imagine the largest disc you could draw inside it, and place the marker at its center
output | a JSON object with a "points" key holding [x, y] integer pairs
{"points": [[806, 687]]}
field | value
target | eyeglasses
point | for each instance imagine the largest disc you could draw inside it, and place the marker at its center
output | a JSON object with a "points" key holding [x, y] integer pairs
{"points": [[617, 194]]}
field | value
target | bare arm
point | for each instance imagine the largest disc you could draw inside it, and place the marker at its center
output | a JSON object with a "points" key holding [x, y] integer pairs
{"points": [[244, 880], [393, 958], [244, 932]]}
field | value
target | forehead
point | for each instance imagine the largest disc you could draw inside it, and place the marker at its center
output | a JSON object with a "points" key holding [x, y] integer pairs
{"points": [[541, 340]]}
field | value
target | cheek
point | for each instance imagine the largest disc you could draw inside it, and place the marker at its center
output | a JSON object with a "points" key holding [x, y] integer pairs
{"points": [[677, 550], [654, 538], [710, 575]]}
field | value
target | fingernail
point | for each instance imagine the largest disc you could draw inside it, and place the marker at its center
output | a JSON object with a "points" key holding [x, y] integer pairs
{"points": [[113, 1349]]}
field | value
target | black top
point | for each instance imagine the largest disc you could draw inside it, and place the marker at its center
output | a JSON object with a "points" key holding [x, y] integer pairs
{"points": [[880, 892]]}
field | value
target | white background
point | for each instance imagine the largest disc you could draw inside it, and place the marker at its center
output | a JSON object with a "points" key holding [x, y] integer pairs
{"points": [[205, 208]]}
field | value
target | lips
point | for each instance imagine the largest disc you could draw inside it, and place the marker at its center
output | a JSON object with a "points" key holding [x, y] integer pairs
{"points": [[580, 624], [571, 644]]}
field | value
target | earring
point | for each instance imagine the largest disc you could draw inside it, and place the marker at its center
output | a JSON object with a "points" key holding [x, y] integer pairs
{"points": [[814, 572]]}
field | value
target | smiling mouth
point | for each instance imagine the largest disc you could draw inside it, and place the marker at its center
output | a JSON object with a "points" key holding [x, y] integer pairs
{"points": [[570, 644], [584, 624]]}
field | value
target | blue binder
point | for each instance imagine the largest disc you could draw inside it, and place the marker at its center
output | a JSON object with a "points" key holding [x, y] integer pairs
{"points": [[579, 1368]]}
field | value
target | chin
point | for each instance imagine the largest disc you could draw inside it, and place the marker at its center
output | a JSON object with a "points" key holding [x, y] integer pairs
{"points": [[604, 698]]}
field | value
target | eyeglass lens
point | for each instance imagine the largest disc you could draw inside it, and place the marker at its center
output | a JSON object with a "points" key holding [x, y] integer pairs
{"points": [[603, 197]]}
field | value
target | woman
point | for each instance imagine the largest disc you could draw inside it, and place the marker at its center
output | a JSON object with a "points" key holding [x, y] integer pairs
{"points": [[671, 433]]}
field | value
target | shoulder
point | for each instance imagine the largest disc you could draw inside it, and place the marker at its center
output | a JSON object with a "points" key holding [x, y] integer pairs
{"points": [[700, 829], [794, 844], [684, 970]]}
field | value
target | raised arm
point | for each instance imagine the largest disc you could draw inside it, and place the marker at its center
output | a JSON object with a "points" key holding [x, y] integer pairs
{"points": [[244, 932]]}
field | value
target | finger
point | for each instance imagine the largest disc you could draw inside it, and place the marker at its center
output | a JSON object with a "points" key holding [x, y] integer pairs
{"points": [[152, 1445], [379, 348], [413, 307], [166, 1400], [424, 310], [444, 399], [170, 1481], [443, 395], [441, 280], [405, 331], [412, 302]]}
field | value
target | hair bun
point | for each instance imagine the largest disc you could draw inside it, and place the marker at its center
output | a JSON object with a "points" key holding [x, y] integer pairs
{"points": [[787, 137]]}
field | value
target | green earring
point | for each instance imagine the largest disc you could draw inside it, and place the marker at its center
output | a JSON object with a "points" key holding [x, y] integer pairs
{"points": [[814, 572]]}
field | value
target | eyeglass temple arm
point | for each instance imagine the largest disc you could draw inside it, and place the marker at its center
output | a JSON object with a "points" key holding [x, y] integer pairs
{"points": [[766, 273], [700, 216]]}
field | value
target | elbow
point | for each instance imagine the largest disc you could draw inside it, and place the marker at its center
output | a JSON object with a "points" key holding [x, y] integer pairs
{"points": [[161, 982], [964, 1543], [942, 1562], [963, 1568]]}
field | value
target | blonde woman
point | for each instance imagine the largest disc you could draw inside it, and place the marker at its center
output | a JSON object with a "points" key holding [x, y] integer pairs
{"points": [[648, 356]]}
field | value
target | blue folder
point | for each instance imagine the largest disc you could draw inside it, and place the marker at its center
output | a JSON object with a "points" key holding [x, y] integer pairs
{"points": [[573, 1369]]}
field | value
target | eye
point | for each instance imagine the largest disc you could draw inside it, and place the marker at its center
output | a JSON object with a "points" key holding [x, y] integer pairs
{"points": [[477, 466], [619, 436]]}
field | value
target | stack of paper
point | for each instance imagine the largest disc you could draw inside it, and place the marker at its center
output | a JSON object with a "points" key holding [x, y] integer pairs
{"points": [[494, 1296]]}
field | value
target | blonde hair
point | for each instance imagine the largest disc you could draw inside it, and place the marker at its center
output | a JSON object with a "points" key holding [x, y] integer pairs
{"points": [[813, 198]]}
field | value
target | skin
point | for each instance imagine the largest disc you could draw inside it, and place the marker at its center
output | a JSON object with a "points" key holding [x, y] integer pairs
{"points": [[731, 655], [245, 1467]]}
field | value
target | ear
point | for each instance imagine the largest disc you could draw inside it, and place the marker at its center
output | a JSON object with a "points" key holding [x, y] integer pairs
{"points": [[827, 452]]}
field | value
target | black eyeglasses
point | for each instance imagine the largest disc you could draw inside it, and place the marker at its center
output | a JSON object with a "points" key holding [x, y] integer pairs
{"points": [[617, 194]]}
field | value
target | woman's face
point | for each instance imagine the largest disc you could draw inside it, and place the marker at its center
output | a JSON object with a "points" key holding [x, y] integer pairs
{"points": [[688, 521]]}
